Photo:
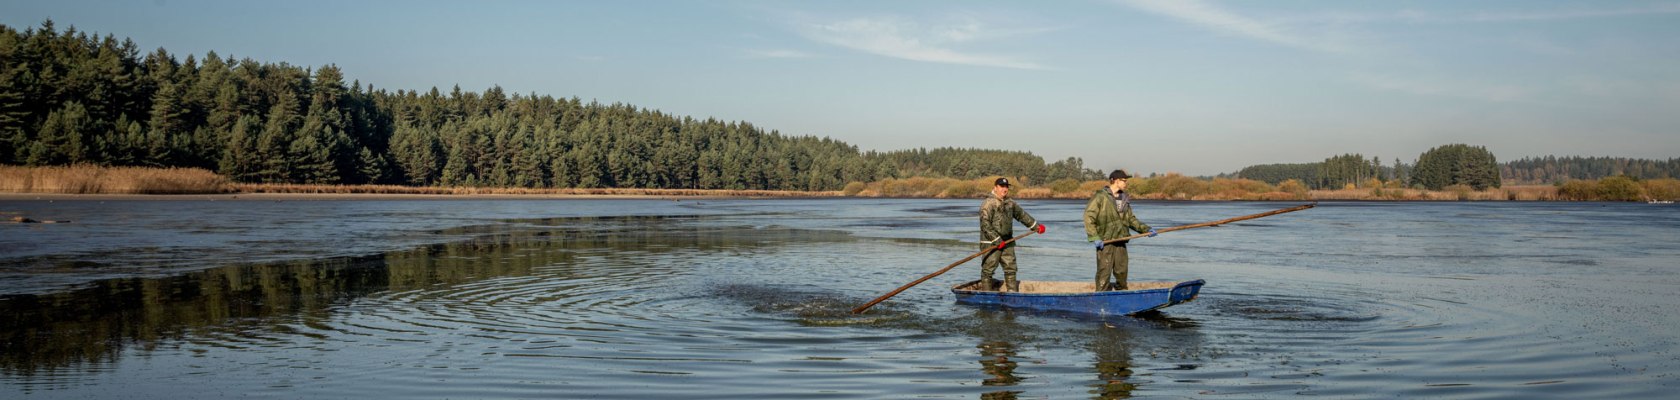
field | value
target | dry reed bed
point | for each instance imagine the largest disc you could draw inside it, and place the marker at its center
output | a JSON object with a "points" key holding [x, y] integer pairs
{"points": [[92, 179], [433, 190], [89, 179]]}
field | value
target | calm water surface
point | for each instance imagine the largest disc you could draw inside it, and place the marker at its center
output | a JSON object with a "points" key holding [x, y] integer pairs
{"points": [[639, 299]]}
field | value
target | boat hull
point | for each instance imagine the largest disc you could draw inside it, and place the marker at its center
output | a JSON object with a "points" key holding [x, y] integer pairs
{"points": [[1120, 302]]}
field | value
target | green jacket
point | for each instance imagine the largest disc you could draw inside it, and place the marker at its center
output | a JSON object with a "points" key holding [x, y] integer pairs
{"points": [[998, 216], [1105, 221]]}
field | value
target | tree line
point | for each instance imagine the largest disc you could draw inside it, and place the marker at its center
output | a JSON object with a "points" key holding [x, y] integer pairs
{"points": [[1453, 164], [1332, 173], [69, 97], [956, 163], [1456, 164], [1556, 170]]}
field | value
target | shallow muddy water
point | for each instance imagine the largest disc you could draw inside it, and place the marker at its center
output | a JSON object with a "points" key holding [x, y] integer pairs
{"points": [[642, 299]]}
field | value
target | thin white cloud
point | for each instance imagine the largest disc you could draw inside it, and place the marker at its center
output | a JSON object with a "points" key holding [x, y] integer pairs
{"points": [[905, 39], [1423, 17], [1556, 15], [777, 53], [966, 31], [1219, 19]]}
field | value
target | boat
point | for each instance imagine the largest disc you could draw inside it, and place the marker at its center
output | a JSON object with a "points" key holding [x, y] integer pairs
{"points": [[1659, 202], [1078, 297]]}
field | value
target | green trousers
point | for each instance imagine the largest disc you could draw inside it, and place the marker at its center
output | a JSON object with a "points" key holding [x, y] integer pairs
{"points": [[990, 263], [1112, 262]]}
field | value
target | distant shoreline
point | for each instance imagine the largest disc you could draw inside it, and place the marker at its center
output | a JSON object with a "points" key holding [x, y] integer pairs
{"points": [[371, 197], [84, 182], [259, 196]]}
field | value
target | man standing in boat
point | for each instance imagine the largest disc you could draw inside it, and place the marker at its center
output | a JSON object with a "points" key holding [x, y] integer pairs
{"points": [[1108, 216], [997, 222]]}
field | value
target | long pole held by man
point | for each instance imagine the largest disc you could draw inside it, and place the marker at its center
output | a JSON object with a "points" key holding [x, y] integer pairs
{"points": [[1108, 216], [997, 222]]}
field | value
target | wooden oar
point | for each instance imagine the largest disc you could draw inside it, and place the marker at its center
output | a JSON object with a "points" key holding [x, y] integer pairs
{"points": [[872, 303], [1214, 223]]}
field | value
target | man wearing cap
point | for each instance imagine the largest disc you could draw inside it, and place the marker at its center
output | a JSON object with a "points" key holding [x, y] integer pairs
{"points": [[996, 228], [1108, 216]]}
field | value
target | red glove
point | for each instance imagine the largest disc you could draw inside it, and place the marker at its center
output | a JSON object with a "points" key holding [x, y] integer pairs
{"points": [[1039, 228], [1001, 243]]}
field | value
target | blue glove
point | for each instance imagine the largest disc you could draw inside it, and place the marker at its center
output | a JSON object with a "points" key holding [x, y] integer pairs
{"points": [[1152, 232], [1099, 244]]}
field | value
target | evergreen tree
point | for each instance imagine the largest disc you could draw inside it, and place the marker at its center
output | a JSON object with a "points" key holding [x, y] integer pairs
{"points": [[417, 154], [1400, 172], [1456, 164], [372, 168], [274, 145], [239, 159], [63, 138]]}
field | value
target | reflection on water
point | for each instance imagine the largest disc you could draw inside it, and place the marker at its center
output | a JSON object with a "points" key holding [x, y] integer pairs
{"points": [[1111, 353], [85, 328], [998, 333], [751, 299], [88, 328]]}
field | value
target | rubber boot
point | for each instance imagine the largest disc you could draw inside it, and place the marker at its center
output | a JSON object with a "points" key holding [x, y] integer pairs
{"points": [[1014, 285]]}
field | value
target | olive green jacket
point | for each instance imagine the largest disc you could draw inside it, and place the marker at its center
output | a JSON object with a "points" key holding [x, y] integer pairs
{"points": [[998, 216], [1105, 221]]}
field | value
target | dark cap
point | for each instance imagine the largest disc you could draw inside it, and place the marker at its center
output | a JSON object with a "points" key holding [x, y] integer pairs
{"points": [[1119, 174], [1001, 182]]}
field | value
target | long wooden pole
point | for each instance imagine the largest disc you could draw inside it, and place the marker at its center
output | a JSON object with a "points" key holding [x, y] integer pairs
{"points": [[1214, 223], [895, 292]]}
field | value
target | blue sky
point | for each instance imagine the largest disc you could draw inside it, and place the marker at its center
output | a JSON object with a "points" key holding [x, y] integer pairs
{"points": [[1197, 87]]}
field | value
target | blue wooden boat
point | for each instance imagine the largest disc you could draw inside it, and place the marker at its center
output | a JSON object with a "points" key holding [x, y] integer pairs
{"points": [[1078, 297]]}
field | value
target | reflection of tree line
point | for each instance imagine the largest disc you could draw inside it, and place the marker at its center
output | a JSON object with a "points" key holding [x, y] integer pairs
{"points": [[92, 325]]}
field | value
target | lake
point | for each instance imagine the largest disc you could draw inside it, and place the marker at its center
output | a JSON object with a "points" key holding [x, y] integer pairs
{"points": [[702, 298]]}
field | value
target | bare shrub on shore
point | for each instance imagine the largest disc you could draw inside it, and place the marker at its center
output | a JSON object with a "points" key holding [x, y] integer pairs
{"points": [[1661, 189], [1531, 193], [93, 179], [1089, 187], [914, 187], [1241, 189], [1066, 186], [965, 189], [1619, 188], [853, 188], [1578, 190], [1169, 186], [1293, 187]]}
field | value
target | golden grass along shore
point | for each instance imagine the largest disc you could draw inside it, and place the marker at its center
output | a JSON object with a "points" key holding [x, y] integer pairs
{"points": [[88, 179], [434, 190]]}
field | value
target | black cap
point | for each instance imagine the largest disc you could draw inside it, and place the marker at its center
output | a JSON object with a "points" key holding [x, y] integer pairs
{"points": [[1119, 174], [1001, 182]]}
